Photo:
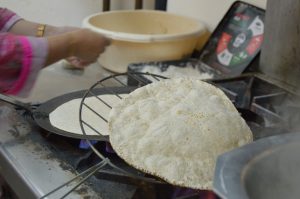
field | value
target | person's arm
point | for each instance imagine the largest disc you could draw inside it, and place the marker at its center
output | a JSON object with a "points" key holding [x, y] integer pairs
{"points": [[23, 27], [83, 44], [12, 23], [29, 28], [22, 57], [7, 19]]}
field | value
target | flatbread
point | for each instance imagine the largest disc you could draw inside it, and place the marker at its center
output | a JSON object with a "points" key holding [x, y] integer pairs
{"points": [[175, 129], [66, 116]]}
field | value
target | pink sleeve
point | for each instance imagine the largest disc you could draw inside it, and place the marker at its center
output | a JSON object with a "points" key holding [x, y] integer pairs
{"points": [[7, 19], [21, 58]]}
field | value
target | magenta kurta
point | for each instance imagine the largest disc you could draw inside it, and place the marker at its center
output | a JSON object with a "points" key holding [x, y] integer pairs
{"points": [[21, 57]]}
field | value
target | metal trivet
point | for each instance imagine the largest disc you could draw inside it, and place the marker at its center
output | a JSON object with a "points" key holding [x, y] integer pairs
{"points": [[115, 85]]}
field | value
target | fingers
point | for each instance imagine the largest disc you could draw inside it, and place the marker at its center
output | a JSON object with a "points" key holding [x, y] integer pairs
{"points": [[75, 62], [93, 45], [87, 46], [83, 44], [107, 41]]}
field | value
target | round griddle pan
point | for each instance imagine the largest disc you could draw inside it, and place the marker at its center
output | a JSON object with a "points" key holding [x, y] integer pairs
{"points": [[40, 114]]}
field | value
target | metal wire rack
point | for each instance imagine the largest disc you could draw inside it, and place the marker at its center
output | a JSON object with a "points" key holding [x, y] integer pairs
{"points": [[115, 85]]}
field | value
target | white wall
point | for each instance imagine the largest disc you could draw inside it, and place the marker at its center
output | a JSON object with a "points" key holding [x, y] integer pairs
{"points": [[65, 12], [72, 12], [208, 11], [55, 12]]}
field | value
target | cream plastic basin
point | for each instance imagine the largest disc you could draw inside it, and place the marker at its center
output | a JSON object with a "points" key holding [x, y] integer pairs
{"points": [[144, 35]]}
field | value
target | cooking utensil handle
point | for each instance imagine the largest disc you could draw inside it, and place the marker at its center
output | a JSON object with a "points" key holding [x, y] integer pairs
{"points": [[15, 102]]}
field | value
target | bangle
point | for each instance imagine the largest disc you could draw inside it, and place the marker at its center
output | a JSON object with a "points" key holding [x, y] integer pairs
{"points": [[40, 30]]}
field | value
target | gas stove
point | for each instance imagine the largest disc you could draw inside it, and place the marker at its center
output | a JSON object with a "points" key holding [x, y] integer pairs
{"points": [[38, 164]]}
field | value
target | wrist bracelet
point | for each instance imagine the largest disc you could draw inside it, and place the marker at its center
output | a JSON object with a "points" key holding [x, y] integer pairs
{"points": [[40, 30]]}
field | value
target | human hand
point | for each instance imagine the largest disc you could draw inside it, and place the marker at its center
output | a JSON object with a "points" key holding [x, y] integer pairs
{"points": [[81, 47], [70, 62], [86, 46], [75, 63]]}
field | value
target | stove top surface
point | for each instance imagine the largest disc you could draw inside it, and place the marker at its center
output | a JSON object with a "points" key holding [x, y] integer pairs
{"points": [[37, 162]]}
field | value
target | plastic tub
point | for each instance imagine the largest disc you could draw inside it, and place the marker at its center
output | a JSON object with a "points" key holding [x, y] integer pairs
{"points": [[144, 35]]}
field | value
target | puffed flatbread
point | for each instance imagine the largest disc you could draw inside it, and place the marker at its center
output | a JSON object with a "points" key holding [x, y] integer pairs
{"points": [[175, 129]]}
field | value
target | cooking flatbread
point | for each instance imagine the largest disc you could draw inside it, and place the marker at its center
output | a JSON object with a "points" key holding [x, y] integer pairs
{"points": [[66, 116], [175, 129]]}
